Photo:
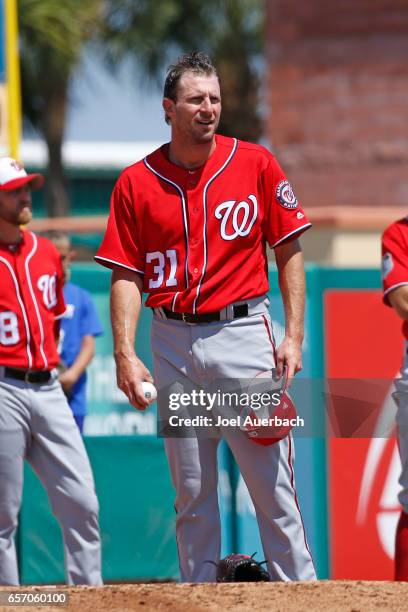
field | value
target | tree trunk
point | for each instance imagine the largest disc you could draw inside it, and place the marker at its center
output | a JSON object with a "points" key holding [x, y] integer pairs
{"points": [[240, 115], [53, 124]]}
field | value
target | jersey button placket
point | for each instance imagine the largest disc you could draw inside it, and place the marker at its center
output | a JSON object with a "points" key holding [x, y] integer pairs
{"points": [[196, 222], [28, 305], [191, 180]]}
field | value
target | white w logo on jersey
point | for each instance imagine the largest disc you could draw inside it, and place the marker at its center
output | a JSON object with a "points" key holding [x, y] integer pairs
{"points": [[46, 284], [238, 216]]}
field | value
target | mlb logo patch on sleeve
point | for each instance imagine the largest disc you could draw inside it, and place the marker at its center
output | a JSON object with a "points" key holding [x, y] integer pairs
{"points": [[387, 265], [285, 195]]}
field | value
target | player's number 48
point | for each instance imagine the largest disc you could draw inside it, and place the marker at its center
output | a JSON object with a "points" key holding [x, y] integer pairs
{"points": [[8, 328]]}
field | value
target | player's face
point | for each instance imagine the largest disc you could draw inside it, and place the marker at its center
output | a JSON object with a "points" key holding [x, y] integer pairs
{"points": [[196, 112], [15, 206]]}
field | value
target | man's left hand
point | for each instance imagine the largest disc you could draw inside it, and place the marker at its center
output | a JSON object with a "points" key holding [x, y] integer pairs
{"points": [[289, 354], [67, 380]]}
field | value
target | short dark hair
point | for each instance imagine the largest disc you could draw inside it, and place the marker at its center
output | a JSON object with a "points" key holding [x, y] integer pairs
{"points": [[196, 61]]}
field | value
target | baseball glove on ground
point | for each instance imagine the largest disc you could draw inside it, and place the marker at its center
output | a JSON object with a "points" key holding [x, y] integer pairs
{"points": [[241, 568]]}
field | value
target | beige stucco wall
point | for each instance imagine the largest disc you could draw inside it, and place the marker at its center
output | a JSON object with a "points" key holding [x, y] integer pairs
{"points": [[346, 248]]}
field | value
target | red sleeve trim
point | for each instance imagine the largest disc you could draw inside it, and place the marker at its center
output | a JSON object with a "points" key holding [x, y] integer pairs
{"points": [[104, 261], [296, 231], [385, 299]]}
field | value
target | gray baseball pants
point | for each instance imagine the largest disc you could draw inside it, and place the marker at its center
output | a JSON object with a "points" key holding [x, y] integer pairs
{"points": [[401, 386], [36, 424], [199, 355]]}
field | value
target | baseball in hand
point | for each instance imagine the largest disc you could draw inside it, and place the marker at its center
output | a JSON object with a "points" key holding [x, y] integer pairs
{"points": [[149, 391]]}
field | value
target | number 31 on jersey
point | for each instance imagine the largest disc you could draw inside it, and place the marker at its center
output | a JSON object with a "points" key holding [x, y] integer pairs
{"points": [[158, 260]]}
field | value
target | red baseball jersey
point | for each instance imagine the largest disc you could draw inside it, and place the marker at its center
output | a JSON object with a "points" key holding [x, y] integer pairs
{"points": [[395, 260], [31, 299], [199, 236]]}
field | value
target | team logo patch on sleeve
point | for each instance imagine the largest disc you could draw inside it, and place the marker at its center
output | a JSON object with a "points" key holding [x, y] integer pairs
{"points": [[387, 265], [285, 195]]}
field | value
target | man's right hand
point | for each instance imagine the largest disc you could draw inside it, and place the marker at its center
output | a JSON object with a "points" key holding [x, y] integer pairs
{"points": [[130, 373]]}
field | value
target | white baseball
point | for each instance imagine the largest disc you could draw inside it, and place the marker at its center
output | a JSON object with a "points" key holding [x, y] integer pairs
{"points": [[149, 391]]}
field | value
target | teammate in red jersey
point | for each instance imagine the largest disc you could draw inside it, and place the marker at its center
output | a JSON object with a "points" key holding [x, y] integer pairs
{"points": [[395, 284], [36, 422], [189, 226]]}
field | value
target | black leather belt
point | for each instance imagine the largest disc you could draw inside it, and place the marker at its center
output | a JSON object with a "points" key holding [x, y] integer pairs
{"points": [[207, 317], [40, 376]]}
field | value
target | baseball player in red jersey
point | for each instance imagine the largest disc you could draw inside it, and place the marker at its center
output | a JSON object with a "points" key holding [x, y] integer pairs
{"points": [[395, 284], [189, 226], [36, 422]]}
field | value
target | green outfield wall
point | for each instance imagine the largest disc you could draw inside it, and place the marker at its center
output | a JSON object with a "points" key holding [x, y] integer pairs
{"points": [[132, 479]]}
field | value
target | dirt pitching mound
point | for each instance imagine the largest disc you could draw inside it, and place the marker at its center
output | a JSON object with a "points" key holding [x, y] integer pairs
{"points": [[277, 596]]}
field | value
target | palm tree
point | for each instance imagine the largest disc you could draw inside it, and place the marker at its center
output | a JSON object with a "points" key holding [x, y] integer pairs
{"points": [[52, 37], [231, 31], [53, 34], [237, 52]]}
